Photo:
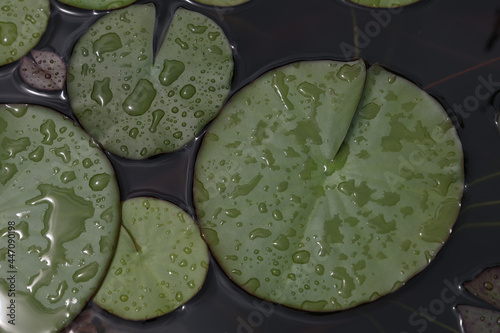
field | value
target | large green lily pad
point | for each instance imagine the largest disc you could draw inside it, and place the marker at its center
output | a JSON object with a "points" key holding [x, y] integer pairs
{"points": [[295, 220], [137, 104], [98, 4], [160, 263], [384, 3], [22, 23], [59, 218]]}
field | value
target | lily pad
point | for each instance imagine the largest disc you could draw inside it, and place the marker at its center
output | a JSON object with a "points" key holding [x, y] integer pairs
{"points": [[137, 104], [46, 71], [478, 320], [293, 219], [384, 3], [486, 286], [222, 3], [98, 4], [160, 263], [59, 218], [22, 23]]}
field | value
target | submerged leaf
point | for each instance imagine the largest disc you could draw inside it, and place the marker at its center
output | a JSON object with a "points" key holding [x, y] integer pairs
{"points": [[283, 208], [46, 71], [59, 217], [478, 320], [135, 107], [98, 4], [22, 24], [486, 286], [85, 322], [160, 263], [384, 3]]}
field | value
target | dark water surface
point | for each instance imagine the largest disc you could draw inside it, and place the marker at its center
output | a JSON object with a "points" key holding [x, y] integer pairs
{"points": [[447, 47]]}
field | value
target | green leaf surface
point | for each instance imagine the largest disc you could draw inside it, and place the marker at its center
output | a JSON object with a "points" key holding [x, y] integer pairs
{"points": [[59, 218], [22, 23], [478, 320], [160, 263], [222, 3], [98, 4], [137, 106], [384, 3], [295, 219], [486, 286]]}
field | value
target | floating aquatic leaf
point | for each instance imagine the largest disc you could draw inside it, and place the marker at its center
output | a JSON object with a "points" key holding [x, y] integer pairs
{"points": [[46, 71], [98, 4], [160, 263], [293, 218], [22, 23], [59, 218], [486, 286], [478, 320], [384, 3], [222, 3], [136, 108]]}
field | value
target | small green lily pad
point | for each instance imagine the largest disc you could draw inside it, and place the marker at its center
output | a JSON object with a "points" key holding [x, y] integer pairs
{"points": [[384, 3], [59, 218], [160, 263], [137, 104], [98, 4], [22, 23], [222, 3], [295, 219]]}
